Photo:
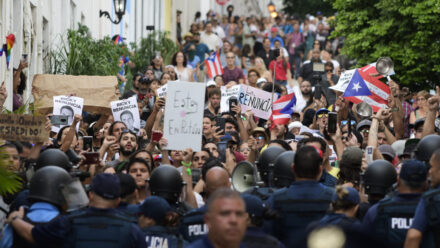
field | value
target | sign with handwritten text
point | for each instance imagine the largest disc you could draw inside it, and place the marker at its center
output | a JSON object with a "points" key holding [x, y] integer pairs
{"points": [[184, 115], [259, 101], [23, 128]]}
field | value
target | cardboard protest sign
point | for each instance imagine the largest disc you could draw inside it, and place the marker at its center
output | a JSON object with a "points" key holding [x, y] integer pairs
{"points": [[343, 81], [259, 101], [127, 111], [184, 115], [226, 94], [97, 91], [162, 91], [68, 106], [23, 128]]}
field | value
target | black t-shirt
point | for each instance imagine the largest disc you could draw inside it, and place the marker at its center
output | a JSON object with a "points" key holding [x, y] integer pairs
{"points": [[266, 56]]}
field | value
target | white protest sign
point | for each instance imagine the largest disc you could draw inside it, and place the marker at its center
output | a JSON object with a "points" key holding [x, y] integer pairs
{"points": [[259, 101], [69, 106], [226, 94], [127, 111], [162, 91], [184, 115], [343, 81]]}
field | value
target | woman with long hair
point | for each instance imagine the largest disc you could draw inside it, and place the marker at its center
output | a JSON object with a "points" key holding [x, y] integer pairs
{"points": [[179, 62]]}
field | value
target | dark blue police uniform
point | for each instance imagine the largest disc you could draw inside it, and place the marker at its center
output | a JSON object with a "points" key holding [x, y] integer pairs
{"points": [[263, 193], [391, 218], [299, 205], [92, 227], [205, 243], [160, 236], [328, 180], [427, 218], [255, 237], [193, 225]]}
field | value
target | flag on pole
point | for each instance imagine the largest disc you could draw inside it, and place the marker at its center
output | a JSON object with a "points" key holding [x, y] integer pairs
{"points": [[283, 109], [379, 92], [214, 66], [357, 86]]}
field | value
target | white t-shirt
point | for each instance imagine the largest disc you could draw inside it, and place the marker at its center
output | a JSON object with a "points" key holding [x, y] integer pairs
{"points": [[211, 40], [219, 31], [300, 102]]}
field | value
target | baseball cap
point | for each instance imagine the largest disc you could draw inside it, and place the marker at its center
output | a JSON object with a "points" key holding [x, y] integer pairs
{"points": [[210, 83], [418, 123], [254, 205], [386, 149], [273, 29], [363, 123], [128, 184], [322, 111], [353, 155], [155, 207], [106, 185], [261, 81], [352, 196], [413, 171], [294, 124], [399, 147]]}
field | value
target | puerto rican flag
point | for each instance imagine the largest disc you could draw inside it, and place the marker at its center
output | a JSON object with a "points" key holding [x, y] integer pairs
{"points": [[283, 109], [214, 66]]}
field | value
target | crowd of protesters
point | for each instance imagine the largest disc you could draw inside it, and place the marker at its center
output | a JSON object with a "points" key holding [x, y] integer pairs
{"points": [[373, 181]]}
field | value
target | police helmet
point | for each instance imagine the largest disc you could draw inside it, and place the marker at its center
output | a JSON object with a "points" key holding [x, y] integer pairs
{"points": [[282, 171], [166, 182], [54, 157], [379, 177], [426, 147], [47, 183], [266, 160]]}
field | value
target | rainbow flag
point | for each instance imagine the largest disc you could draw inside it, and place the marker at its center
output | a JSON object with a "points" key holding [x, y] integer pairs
{"points": [[118, 39], [10, 40]]}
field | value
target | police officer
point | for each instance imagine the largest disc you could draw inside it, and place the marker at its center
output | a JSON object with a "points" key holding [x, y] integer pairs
{"points": [[226, 220], [255, 236], [391, 217], [47, 202], [193, 225], [426, 147], [282, 173], [165, 181], [377, 180], [99, 225], [158, 222], [265, 167], [129, 195], [306, 200], [425, 226]]}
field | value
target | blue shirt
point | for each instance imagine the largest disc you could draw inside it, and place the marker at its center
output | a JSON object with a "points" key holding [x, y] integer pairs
{"points": [[420, 222], [272, 40], [40, 212]]}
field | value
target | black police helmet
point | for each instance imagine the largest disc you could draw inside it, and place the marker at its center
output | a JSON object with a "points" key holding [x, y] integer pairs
{"points": [[166, 182], [426, 147], [54, 157], [379, 177], [282, 172], [268, 157], [47, 183]]}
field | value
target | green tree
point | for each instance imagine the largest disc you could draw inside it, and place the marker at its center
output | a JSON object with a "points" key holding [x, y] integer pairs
{"points": [[406, 31], [145, 51], [80, 54], [303, 7]]}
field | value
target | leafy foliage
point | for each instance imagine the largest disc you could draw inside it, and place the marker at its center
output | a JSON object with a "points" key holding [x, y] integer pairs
{"points": [[406, 31], [9, 181], [145, 51], [80, 54], [302, 7]]}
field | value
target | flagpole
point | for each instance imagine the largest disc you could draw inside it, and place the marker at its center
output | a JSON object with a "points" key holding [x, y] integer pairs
{"points": [[273, 83]]}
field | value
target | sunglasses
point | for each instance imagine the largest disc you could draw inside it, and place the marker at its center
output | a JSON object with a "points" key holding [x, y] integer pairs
{"points": [[322, 115], [344, 122], [128, 131], [259, 137], [365, 131]]}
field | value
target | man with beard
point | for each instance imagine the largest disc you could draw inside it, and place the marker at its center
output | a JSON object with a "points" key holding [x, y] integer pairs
{"points": [[128, 145], [213, 103], [303, 95], [201, 48], [306, 72]]}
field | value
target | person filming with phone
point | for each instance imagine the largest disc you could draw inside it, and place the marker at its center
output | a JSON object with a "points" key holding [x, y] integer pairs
{"points": [[19, 83]]}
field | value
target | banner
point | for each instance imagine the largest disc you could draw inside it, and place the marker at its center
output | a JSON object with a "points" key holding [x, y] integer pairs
{"points": [[259, 101], [184, 115], [127, 111], [226, 94], [69, 106], [23, 128]]}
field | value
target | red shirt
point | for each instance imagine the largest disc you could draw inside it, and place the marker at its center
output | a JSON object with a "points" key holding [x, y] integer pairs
{"points": [[281, 73]]}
